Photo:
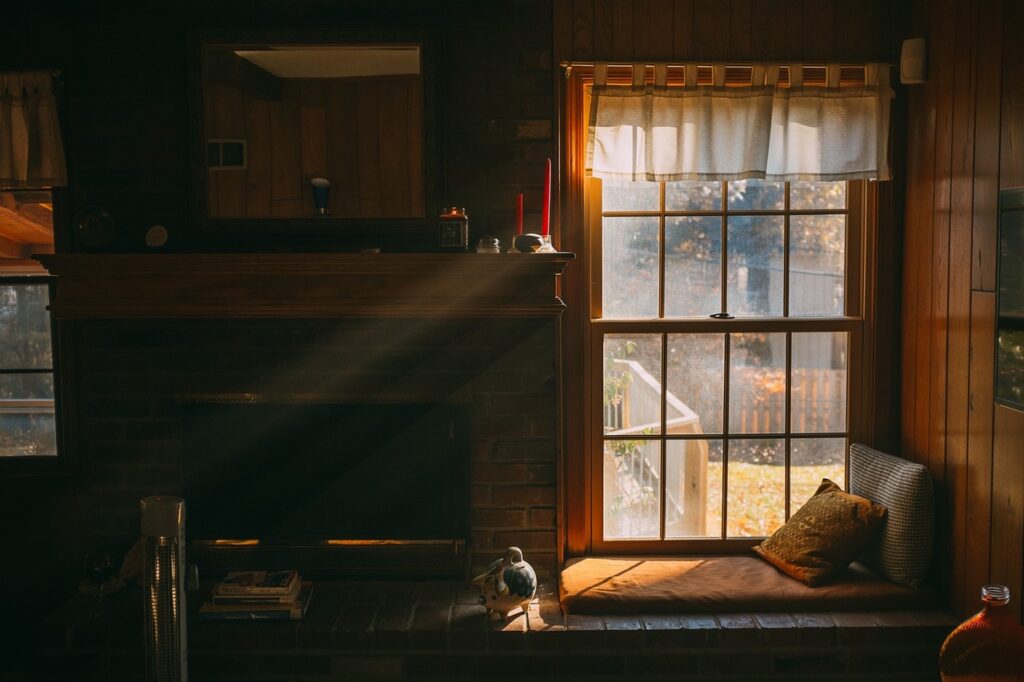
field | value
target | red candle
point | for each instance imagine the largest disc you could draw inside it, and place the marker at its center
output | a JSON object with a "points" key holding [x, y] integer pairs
{"points": [[545, 209], [519, 214]]}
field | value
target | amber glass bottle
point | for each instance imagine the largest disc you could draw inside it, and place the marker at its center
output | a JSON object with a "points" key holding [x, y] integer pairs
{"points": [[989, 646]]}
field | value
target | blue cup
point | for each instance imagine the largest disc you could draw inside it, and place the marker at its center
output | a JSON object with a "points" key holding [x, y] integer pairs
{"points": [[321, 194]]}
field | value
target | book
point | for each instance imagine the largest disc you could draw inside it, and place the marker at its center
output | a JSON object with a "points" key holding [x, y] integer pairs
{"points": [[288, 611], [258, 598], [258, 582]]}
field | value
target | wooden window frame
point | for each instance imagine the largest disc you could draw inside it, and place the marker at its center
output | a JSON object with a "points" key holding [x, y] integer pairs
{"points": [[581, 513]]}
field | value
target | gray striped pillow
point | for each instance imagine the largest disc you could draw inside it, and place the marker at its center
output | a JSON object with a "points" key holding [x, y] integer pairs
{"points": [[903, 547]]}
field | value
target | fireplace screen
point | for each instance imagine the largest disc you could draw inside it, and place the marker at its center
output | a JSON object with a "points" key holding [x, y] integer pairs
{"points": [[300, 475]]}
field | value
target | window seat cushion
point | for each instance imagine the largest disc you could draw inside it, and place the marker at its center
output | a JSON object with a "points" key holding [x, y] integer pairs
{"points": [[721, 584]]}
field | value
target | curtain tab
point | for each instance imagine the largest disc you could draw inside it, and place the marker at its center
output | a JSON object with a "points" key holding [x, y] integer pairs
{"points": [[771, 76], [639, 71], [718, 75], [876, 74], [690, 75], [757, 75], [661, 75], [600, 73], [796, 75], [833, 74]]}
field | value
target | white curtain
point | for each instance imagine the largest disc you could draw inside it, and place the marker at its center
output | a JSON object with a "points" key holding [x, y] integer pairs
{"points": [[719, 132], [31, 152]]}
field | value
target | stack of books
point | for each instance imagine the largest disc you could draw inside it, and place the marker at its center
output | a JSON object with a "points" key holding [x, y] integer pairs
{"points": [[258, 595]]}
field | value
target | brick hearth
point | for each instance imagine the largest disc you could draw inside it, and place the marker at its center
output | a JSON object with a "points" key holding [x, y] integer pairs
{"points": [[432, 630]]}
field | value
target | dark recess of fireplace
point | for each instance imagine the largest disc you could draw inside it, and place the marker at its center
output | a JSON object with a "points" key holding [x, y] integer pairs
{"points": [[295, 476]]}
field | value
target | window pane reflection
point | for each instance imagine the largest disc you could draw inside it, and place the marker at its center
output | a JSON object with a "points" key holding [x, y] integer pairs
{"points": [[630, 281], [632, 384], [632, 489], [757, 487]]}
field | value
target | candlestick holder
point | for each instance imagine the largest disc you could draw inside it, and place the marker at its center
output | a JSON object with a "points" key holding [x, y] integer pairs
{"points": [[545, 245]]}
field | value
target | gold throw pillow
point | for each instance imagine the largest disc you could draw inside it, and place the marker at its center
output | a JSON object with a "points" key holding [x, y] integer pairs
{"points": [[824, 535]]}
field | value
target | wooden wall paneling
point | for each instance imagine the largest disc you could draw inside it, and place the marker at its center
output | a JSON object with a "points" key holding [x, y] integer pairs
{"points": [[286, 168], [978, 505], [1008, 502], [855, 23], [921, 213], [623, 15], [943, 38], [367, 98], [820, 34], [259, 172], [920, 139], [652, 30], [393, 139], [768, 35], [417, 170], [682, 31], [712, 25], [604, 28], [741, 30], [913, 239], [988, 79], [313, 134], [342, 148], [1011, 155], [793, 20], [958, 358], [581, 31]]}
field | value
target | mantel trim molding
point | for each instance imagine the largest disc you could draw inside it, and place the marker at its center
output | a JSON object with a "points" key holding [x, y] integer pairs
{"points": [[415, 285]]}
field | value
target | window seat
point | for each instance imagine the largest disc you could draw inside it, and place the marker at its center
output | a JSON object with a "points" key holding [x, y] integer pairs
{"points": [[721, 584]]}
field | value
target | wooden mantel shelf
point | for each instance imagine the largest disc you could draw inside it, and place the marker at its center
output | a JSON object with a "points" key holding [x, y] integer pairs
{"points": [[306, 285]]}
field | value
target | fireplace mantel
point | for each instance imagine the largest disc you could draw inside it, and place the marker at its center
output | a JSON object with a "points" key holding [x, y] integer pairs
{"points": [[297, 285]]}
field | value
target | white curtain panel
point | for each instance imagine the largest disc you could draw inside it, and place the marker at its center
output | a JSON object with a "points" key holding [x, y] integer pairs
{"points": [[715, 132], [31, 151]]}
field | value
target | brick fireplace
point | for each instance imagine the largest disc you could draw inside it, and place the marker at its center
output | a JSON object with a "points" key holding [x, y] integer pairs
{"points": [[180, 335]]}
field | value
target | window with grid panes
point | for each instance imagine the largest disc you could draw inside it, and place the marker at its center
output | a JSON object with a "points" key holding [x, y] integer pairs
{"points": [[721, 321], [27, 412]]}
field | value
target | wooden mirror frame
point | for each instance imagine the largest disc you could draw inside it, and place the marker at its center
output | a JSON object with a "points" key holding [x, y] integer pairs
{"points": [[354, 228]]}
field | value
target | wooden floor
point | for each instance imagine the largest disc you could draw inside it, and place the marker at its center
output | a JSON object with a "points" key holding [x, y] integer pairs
{"points": [[408, 631]]}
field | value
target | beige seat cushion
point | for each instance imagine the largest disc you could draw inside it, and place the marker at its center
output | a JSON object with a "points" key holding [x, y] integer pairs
{"points": [[720, 584]]}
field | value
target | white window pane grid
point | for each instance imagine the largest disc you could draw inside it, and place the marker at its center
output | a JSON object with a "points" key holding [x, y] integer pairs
{"points": [[750, 248], [738, 456]]}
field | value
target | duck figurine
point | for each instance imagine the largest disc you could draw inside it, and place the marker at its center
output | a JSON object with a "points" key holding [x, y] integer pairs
{"points": [[508, 583]]}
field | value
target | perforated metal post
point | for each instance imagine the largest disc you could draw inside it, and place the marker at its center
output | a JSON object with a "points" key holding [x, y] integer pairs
{"points": [[163, 533]]}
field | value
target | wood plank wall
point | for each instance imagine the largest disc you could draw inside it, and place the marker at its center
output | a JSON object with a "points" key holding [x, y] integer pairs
{"points": [[736, 29], [298, 129], [965, 131]]}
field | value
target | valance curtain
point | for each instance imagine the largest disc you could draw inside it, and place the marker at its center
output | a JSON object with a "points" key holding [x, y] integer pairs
{"points": [[718, 132], [31, 151]]}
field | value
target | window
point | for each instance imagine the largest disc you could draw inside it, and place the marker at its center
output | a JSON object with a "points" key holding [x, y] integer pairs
{"points": [[722, 319], [27, 415], [28, 341]]}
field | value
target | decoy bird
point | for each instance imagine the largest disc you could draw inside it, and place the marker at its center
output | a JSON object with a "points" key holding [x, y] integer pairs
{"points": [[508, 582]]}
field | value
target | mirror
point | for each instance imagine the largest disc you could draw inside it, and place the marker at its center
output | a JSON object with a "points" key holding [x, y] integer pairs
{"points": [[312, 132]]}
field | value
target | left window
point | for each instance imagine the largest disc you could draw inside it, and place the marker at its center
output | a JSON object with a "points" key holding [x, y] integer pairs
{"points": [[28, 425], [28, 411]]}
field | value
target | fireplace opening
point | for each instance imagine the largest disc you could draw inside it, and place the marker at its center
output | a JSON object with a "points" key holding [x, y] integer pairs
{"points": [[342, 486]]}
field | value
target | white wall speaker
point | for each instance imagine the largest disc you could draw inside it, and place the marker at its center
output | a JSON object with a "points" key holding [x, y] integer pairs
{"points": [[912, 61]]}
